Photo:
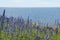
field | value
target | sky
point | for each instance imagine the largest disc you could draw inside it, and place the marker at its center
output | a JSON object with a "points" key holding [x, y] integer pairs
{"points": [[29, 3]]}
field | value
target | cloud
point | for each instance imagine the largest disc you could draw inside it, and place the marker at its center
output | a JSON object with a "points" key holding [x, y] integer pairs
{"points": [[29, 3]]}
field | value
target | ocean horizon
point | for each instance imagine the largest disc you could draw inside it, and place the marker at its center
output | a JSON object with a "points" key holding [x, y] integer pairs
{"points": [[41, 15]]}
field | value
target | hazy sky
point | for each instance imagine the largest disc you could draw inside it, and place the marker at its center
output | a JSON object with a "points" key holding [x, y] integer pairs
{"points": [[29, 3]]}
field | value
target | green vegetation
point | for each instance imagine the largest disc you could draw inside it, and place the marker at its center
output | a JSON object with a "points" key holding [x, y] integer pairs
{"points": [[27, 35]]}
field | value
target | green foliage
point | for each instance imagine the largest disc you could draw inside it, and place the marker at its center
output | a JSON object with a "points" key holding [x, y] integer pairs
{"points": [[26, 34]]}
